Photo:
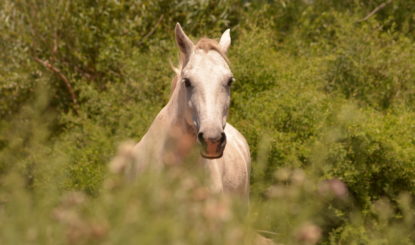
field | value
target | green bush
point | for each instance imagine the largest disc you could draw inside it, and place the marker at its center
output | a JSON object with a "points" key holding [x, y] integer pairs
{"points": [[324, 94]]}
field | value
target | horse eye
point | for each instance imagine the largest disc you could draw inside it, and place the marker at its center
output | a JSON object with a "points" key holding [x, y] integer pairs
{"points": [[230, 81], [187, 82]]}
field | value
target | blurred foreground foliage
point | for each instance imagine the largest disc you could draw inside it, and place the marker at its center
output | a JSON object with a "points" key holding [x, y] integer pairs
{"points": [[324, 94]]}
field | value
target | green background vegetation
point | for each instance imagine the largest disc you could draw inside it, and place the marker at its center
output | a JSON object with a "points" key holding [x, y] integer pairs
{"points": [[325, 90]]}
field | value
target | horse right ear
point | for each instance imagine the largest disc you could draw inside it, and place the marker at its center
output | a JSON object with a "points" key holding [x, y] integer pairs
{"points": [[185, 44]]}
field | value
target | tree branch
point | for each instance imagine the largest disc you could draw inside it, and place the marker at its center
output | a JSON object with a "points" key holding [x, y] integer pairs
{"points": [[58, 72], [375, 10], [152, 30]]}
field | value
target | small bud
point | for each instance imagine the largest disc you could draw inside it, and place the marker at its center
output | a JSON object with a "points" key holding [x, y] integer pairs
{"points": [[334, 187], [298, 177], [283, 174], [74, 198], [124, 157], [218, 210], [201, 194], [308, 234], [276, 191]]}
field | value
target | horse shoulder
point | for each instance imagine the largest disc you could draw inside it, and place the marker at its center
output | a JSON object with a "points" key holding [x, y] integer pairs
{"points": [[149, 148], [238, 142]]}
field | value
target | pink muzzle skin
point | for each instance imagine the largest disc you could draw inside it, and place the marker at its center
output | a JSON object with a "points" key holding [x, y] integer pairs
{"points": [[213, 149]]}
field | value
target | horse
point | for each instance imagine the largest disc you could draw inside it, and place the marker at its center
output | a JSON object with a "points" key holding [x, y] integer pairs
{"points": [[195, 116]]}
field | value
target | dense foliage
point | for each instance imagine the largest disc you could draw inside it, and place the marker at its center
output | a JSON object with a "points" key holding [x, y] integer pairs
{"points": [[325, 96]]}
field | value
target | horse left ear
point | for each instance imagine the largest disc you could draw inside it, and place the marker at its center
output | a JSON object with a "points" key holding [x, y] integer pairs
{"points": [[183, 41], [225, 40]]}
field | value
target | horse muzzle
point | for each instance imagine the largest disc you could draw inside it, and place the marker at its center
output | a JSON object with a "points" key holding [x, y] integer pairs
{"points": [[212, 147]]}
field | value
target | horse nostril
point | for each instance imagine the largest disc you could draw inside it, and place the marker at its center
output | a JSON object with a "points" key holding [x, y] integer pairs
{"points": [[223, 137], [200, 137]]}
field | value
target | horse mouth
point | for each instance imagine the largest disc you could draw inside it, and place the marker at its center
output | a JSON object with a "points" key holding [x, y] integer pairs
{"points": [[213, 150], [210, 156]]}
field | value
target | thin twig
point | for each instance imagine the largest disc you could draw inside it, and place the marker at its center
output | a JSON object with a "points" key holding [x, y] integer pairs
{"points": [[55, 43], [375, 10], [152, 30], [58, 72], [267, 232]]}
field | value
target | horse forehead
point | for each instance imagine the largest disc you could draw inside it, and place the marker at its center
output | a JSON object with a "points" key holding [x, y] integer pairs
{"points": [[207, 64]]}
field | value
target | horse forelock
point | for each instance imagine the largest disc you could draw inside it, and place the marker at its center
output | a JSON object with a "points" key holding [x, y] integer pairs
{"points": [[207, 44]]}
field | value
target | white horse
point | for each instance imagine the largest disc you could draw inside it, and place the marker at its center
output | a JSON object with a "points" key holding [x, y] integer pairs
{"points": [[196, 114]]}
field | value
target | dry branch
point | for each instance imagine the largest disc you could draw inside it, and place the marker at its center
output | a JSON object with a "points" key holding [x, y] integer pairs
{"points": [[377, 9], [58, 72], [152, 30]]}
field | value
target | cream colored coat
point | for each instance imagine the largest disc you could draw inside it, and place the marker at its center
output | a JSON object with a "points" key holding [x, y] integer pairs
{"points": [[197, 112]]}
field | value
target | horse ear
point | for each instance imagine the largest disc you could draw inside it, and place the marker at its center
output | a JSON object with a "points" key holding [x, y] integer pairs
{"points": [[225, 40], [185, 44]]}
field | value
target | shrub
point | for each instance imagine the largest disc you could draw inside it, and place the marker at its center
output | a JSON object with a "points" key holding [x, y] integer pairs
{"points": [[323, 95]]}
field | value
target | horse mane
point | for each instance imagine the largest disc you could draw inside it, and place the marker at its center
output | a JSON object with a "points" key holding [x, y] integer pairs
{"points": [[206, 44]]}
